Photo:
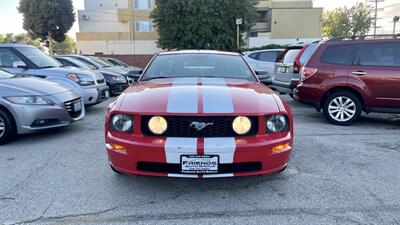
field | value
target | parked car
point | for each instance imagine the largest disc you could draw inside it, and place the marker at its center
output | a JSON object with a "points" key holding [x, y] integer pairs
{"points": [[26, 60], [133, 71], [263, 60], [98, 64], [286, 75], [199, 114], [32, 104], [116, 82], [345, 76]]}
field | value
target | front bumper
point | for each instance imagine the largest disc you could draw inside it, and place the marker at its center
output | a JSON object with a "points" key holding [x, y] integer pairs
{"points": [[158, 156], [117, 88], [95, 95]]}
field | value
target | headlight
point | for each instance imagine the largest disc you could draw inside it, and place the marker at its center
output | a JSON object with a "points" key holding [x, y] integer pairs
{"points": [[277, 123], [241, 125], [81, 79], [122, 123], [29, 100], [158, 125]]}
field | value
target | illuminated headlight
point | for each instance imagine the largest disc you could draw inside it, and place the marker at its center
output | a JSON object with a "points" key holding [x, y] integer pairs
{"points": [[81, 79], [241, 125], [277, 123], [29, 100], [158, 125], [122, 123]]}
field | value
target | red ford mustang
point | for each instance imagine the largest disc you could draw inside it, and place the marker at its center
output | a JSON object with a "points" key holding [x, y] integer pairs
{"points": [[198, 114]]}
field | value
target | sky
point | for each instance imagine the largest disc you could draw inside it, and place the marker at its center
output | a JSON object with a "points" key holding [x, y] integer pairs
{"points": [[11, 20]]}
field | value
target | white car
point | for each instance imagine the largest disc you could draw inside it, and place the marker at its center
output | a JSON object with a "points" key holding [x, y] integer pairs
{"points": [[263, 60]]}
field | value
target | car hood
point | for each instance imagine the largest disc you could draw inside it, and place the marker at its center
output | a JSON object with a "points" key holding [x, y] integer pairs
{"points": [[198, 96], [19, 86], [64, 71]]}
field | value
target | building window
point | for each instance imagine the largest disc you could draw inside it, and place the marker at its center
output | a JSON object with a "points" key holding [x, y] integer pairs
{"points": [[144, 26], [143, 4]]}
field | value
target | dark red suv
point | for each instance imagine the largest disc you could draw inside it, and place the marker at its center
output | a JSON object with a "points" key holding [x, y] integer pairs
{"points": [[345, 76]]}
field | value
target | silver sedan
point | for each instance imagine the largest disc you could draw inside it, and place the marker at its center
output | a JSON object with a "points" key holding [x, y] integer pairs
{"points": [[29, 105]]}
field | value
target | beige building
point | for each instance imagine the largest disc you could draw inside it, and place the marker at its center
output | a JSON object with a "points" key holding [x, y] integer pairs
{"points": [[116, 27], [125, 26], [286, 22]]}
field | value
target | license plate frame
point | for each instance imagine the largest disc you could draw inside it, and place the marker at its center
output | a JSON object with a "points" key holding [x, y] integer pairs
{"points": [[197, 164]]}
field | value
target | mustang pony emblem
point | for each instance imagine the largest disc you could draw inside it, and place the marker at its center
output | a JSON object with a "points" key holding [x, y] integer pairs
{"points": [[200, 126]]}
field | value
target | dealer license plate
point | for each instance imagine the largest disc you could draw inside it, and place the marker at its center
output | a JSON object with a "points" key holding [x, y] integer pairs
{"points": [[199, 164]]}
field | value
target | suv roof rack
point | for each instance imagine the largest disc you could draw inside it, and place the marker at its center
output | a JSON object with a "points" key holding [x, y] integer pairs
{"points": [[364, 37]]}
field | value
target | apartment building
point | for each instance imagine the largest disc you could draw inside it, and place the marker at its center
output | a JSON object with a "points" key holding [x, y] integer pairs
{"points": [[286, 22], [116, 27]]}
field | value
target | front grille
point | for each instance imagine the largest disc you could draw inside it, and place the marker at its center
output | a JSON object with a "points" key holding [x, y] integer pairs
{"points": [[179, 126], [176, 168], [69, 106]]}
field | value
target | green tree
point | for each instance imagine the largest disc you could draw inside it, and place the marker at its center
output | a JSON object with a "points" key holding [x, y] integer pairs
{"points": [[347, 21], [19, 39], [66, 47], [202, 24], [47, 19]]}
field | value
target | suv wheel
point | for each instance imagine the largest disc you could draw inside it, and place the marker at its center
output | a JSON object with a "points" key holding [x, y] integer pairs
{"points": [[7, 128], [342, 108]]}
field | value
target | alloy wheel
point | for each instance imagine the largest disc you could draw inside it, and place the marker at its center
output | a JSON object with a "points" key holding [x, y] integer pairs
{"points": [[2, 127], [342, 109]]}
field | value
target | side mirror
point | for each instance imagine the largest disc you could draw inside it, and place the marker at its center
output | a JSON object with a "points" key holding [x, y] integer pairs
{"points": [[20, 65], [263, 76]]}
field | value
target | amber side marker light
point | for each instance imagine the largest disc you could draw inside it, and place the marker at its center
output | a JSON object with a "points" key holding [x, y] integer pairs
{"points": [[118, 147], [280, 148]]}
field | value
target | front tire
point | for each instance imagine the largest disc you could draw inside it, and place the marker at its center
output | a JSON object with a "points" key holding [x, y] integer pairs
{"points": [[8, 131], [342, 108]]}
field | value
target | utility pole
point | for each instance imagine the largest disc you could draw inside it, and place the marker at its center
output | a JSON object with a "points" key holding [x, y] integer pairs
{"points": [[238, 23], [376, 9]]}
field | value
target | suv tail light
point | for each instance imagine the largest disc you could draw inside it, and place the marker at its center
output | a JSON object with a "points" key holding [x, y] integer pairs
{"points": [[307, 72], [297, 63]]}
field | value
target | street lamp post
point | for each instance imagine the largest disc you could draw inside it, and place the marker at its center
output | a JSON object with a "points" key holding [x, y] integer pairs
{"points": [[238, 23], [395, 20]]}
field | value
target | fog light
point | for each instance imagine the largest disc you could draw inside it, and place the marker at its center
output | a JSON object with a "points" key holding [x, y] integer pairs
{"points": [[280, 148]]}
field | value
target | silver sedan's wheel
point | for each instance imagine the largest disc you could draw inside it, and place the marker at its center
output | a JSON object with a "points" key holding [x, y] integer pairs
{"points": [[342, 109], [2, 127]]}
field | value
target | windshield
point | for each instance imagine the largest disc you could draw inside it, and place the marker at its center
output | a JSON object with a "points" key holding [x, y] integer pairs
{"points": [[199, 65], [81, 64], [99, 61], [5, 75], [290, 56], [120, 63], [38, 58]]}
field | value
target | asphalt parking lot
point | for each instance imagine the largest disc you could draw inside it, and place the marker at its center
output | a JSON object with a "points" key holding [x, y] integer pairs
{"points": [[337, 175]]}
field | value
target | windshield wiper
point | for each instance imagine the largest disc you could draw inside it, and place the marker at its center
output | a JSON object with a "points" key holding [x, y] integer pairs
{"points": [[159, 77]]}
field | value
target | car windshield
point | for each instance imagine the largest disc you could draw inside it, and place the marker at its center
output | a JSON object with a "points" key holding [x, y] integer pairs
{"points": [[120, 63], [38, 58], [5, 75], [199, 65], [81, 64], [290, 56], [99, 61]]}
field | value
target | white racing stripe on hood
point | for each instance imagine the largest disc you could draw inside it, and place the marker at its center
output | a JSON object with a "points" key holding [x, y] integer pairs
{"points": [[224, 147], [182, 98], [218, 99], [175, 147]]}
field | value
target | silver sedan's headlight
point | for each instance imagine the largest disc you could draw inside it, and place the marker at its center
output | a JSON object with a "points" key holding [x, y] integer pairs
{"points": [[122, 123], [277, 123], [29, 100]]}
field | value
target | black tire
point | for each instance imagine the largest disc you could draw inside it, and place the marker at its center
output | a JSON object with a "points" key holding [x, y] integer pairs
{"points": [[354, 111], [8, 132], [292, 96]]}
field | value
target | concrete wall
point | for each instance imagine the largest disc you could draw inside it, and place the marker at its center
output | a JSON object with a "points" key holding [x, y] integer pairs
{"points": [[105, 4], [296, 23], [118, 47], [101, 21]]}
